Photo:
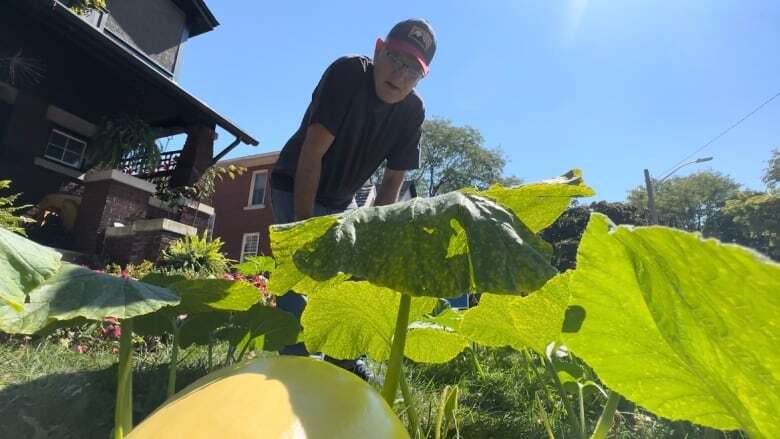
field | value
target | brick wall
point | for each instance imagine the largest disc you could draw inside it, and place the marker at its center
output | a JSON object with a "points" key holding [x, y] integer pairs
{"points": [[233, 220], [104, 203], [132, 249]]}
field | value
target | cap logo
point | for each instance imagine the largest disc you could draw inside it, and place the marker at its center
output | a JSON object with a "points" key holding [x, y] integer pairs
{"points": [[421, 37]]}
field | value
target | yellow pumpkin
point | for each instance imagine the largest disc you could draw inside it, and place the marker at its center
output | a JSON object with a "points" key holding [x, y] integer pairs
{"points": [[276, 397]]}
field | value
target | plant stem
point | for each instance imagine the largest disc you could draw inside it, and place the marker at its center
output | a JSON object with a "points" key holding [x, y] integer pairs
{"points": [[545, 419], [475, 362], [411, 407], [571, 417], [123, 413], [211, 353], [605, 420], [174, 360], [397, 350], [440, 413], [583, 427]]}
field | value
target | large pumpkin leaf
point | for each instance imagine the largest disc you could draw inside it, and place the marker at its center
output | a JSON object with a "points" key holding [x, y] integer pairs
{"points": [[434, 344], [255, 265], [204, 295], [685, 327], [75, 292], [520, 322], [355, 318], [162, 280], [198, 296], [443, 246], [266, 328], [538, 205], [199, 328], [285, 242], [23, 266]]}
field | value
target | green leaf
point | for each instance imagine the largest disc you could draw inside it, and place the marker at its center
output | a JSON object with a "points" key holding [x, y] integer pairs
{"points": [[162, 280], [684, 327], [355, 318], [78, 292], [434, 345], [157, 323], [255, 265], [203, 295], [268, 329], [23, 266], [285, 242], [538, 205], [449, 318], [197, 328], [520, 322], [408, 247]]}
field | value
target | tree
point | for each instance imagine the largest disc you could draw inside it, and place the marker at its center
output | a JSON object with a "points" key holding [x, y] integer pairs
{"points": [[751, 219], [566, 232], [771, 175], [453, 157], [688, 202]]}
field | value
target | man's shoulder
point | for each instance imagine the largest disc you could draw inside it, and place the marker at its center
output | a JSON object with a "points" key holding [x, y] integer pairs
{"points": [[415, 105], [350, 65]]}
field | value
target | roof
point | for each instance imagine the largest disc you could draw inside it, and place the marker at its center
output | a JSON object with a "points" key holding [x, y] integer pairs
{"points": [[199, 17], [248, 161], [62, 17]]}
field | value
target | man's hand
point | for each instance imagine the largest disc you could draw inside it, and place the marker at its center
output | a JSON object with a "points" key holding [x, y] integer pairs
{"points": [[307, 175], [388, 190]]}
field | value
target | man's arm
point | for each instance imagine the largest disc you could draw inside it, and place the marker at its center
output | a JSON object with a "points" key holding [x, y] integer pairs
{"points": [[307, 175], [388, 190]]}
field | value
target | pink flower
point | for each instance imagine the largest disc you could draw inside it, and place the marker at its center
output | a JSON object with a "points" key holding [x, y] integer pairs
{"points": [[80, 349]]}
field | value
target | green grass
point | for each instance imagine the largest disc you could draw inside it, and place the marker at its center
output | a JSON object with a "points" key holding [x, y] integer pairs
{"points": [[48, 390]]}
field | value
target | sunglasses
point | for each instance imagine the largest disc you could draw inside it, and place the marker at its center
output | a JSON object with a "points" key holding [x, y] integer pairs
{"points": [[410, 72]]}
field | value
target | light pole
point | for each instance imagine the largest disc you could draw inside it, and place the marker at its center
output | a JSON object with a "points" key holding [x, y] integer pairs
{"points": [[650, 186]]}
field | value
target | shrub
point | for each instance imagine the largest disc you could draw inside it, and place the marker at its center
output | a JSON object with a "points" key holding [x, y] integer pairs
{"points": [[196, 253]]}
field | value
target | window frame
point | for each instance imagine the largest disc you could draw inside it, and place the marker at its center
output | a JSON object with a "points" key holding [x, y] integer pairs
{"points": [[249, 204], [243, 245], [70, 138]]}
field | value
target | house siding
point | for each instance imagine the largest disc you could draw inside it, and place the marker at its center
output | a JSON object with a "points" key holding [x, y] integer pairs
{"points": [[155, 27], [232, 221]]}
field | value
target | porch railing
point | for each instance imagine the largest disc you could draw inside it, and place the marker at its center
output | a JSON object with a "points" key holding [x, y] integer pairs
{"points": [[137, 168]]}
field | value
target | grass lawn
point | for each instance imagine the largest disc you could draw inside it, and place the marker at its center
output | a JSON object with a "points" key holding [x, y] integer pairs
{"points": [[49, 390]]}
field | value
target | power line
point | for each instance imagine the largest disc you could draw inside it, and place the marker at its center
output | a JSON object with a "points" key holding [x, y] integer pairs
{"points": [[724, 132]]}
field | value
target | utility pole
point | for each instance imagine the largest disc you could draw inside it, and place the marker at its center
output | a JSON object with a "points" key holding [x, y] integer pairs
{"points": [[650, 186], [650, 198]]}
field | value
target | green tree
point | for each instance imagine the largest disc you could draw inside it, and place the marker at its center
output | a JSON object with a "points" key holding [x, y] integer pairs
{"points": [[453, 157], [688, 202], [751, 219], [771, 175]]}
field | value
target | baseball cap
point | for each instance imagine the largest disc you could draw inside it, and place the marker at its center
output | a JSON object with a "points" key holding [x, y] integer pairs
{"points": [[416, 38]]}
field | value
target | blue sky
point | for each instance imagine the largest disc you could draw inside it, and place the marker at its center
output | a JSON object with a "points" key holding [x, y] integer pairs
{"points": [[609, 87]]}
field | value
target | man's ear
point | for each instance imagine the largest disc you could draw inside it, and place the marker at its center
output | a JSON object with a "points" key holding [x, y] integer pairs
{"points": [[380, 44]]}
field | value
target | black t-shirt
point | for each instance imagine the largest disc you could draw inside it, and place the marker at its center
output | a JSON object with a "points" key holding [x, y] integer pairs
{"points": [[367, 131]]}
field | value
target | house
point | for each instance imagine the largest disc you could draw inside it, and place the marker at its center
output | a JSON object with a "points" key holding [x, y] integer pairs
{"points": [[243, 206], [62, 74]]}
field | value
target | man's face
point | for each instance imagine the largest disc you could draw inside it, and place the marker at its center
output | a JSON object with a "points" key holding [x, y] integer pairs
{"points": [[395, 73]]}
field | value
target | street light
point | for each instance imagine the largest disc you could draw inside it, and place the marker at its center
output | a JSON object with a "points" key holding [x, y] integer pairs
{"points": [[650, 186]]}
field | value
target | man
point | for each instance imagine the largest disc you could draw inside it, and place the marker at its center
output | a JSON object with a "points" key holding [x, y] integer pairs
{"points": [[363, 112]]}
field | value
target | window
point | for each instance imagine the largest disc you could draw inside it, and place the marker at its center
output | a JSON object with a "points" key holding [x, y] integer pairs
{"points": [[250, 245], [65, 148], [257, 190]]}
